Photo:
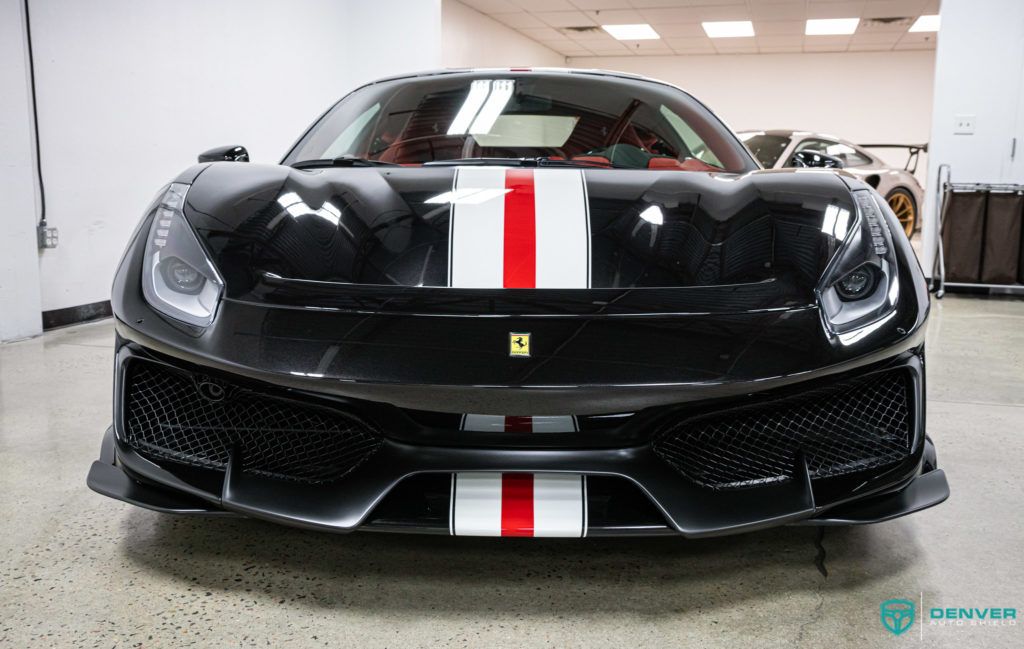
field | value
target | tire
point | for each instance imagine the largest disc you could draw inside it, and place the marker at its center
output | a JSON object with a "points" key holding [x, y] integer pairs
{"points": [[902, 203]]}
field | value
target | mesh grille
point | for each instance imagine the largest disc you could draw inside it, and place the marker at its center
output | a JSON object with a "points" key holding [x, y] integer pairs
{"points": [[196, 420], [854, 426]]}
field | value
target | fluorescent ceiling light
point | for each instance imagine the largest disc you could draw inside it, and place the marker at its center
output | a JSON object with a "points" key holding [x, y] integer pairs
{"points": [[926, 24], [831, 26], [653, 214], [478, 91], [728, 28], [467, 195], [501, 92], [484, 103], [642, 32]]}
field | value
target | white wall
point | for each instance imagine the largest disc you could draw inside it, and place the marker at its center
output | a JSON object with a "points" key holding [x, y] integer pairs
{"points": [[859, 96], [388, 37], [19, 260], [471, 39], [129, 92], [979, 71]]}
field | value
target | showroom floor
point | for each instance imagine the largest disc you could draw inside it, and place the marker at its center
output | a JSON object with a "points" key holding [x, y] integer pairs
{"points": [[77, 569]]}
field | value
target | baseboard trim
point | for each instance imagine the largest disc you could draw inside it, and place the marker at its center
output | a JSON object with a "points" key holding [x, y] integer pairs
{"points": [[76, 314]]}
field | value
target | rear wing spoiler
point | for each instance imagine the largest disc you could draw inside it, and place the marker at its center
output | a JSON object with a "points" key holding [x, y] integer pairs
{"points": [[913, 152]]}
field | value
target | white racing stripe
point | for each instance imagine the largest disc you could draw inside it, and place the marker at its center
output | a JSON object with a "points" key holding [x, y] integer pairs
{"points": [[519, 228], [519, 504], [563, 229], [529, 424], [477, 232], [559, 505]]}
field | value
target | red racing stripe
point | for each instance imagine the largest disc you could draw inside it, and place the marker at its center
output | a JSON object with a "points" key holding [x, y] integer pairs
{"points": [[517, 504], [518, 424], [520, 230]]}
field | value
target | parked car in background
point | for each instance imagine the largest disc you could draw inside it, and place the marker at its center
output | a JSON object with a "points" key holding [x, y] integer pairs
{"points": [[775, 150]]}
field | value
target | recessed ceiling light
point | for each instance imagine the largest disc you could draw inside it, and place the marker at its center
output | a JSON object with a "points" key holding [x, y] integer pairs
{"points": [[728, 28], [831, 26], [926, 24], [642, 32]]}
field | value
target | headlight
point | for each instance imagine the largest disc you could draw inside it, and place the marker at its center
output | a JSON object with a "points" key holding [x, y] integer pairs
{"points": [[860, 287], [177, 277]]}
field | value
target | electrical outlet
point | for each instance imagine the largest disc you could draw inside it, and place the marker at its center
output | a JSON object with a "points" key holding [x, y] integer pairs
{"points": [[47, 237], [963, 124]]}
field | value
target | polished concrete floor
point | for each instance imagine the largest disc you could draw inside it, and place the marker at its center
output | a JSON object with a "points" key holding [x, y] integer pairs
{"points": [[77, 569]]}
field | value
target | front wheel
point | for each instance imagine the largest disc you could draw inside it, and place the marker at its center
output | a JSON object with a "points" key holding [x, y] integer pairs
{"points": [[904, 207]]}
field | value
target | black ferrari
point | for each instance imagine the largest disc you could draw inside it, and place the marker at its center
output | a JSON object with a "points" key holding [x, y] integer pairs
{"points": [[520, 303]]}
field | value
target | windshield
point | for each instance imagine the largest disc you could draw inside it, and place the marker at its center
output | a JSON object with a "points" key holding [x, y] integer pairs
{"points": [[766, 148], [590, 120]]}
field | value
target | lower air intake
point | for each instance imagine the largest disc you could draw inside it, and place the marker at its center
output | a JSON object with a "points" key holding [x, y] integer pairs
{"points": [[853, 426], [171, 414]]}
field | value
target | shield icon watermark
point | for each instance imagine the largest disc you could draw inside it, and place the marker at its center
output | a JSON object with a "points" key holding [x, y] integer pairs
{"points": [[897, 615]]}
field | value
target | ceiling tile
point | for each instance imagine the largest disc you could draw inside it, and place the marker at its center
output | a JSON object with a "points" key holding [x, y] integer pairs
{"points": [[778, 11], [787, 40], [691, 45], [518, 20], [780, 50], [891, 8], [618, 17], [675, 3], [648, 46], [917, 37], [542, 33], [544, 5], [669, 15], [869, 47], [680, 30], [685, 43], [835, 9], [590, 5], [492, 6], [610, 44], [568, 48], [723, 12], [564, 18], [590, 36], [821, 41], [914, 46], [779, 27], [886, 38], [605, 50], [825, 48], [735, 45]]}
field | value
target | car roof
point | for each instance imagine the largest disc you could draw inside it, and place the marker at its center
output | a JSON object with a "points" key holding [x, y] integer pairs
{"points": [[782, 132]]}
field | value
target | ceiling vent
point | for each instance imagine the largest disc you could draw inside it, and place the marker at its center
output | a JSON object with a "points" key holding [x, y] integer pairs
{"points": [[891, 24]]}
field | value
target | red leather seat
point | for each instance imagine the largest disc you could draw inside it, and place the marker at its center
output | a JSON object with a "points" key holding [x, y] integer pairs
{"points": [[690, 164], [596, 160]]}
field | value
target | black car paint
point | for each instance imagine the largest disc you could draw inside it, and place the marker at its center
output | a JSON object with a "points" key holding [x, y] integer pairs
{"points": [[296, 318]]}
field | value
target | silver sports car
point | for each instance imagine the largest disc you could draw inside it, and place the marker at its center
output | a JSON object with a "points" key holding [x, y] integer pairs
{"points": [[777, 149]]}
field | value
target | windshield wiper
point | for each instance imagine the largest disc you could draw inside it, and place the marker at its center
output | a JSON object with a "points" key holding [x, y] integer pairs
{"points": [[517, 162], [341, 161]]}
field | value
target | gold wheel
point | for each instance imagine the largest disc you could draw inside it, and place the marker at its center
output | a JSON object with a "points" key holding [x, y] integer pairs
{"points": [[902, 205]]}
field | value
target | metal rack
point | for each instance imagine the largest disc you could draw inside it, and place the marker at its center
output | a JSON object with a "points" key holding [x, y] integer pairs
{"points": [[944, 183]]}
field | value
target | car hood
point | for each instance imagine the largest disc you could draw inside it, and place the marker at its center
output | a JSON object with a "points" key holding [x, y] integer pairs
{"points": [[278, 233]]}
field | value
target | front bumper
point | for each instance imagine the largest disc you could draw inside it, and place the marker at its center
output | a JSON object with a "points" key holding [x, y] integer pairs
{"points": [[122, 474], [631, 490]]}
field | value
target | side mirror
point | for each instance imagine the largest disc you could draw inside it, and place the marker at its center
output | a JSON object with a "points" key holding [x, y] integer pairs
{"points": [[233, 153], [815, 160]]}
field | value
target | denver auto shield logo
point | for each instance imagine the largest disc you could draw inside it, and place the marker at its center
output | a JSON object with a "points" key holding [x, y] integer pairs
{"points": [[897, 615], [519, 344]]}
